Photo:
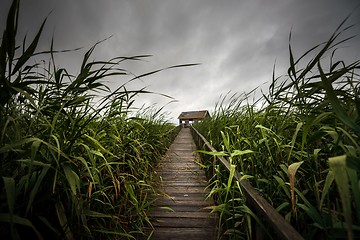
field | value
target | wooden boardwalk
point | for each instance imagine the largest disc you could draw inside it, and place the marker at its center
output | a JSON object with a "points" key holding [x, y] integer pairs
{"points": [[182, 214]]}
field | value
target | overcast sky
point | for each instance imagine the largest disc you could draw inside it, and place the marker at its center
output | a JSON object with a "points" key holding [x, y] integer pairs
{"points": [[237, 42]]}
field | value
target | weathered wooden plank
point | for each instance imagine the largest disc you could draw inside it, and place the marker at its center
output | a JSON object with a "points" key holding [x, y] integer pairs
{"points": [[181, 189], [184, 174], [183, 168], [174, 201], [200, 195], [185, 212], [179, 164], [181, 180], [185, 183], [194, 177], [176, 233], [180, 199], [179, 209], [183, 222], [177, 176], [177, 158]]}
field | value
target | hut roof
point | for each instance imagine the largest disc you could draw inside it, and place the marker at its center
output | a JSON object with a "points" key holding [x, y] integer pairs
{"points": [[194, 115]]}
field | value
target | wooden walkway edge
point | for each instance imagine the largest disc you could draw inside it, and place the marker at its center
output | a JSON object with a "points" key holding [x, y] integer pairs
{"points": [[183, 214]]}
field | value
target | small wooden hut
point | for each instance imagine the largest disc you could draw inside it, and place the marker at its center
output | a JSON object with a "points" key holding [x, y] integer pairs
{"points": [[186, 118]]}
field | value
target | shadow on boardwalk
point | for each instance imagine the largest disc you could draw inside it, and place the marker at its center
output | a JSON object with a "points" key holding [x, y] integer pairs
{"points": [[183, 214]]}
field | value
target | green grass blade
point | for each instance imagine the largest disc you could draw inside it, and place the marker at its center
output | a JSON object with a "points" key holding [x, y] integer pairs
{"points": [[282, 184], [9, 184], [292, 169], [338, 166], [29, 51], [36, 187], [293, 140], [72, 178], [328, 181], [335, 102], [355, 187], [61, 214]]}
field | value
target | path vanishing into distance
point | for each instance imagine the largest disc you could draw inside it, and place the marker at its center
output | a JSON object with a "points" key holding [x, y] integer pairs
{"points": [[183, 213]]}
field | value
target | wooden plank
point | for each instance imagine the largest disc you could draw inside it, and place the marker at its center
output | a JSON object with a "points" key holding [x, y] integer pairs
{"points": [[193, 176], [167, 180], [175, 173], [178, 164], [181, 196], [176, 233], [183, 222], [179, 209], [185, 212], [182, 178], [175, 202], [200, 195], [181, 168], [186, 183], [182, 189]]}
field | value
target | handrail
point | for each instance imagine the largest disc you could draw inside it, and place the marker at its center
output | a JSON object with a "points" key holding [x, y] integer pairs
{"points": [[274, 218]]}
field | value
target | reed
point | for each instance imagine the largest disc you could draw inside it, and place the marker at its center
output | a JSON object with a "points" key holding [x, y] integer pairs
{"points": [[73, 165], [302, 144]]}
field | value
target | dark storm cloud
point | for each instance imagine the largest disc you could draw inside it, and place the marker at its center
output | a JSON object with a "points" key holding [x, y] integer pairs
{"points": [[236, 42]]}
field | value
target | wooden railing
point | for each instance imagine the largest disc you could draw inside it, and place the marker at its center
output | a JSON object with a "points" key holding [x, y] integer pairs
{"points": [[258, 204]]}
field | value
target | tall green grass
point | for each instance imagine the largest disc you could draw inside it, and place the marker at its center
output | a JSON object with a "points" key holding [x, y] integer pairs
{"points": [[72, 165], [302, 146]]}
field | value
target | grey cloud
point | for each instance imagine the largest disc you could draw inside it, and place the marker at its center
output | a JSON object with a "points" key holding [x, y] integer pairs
{"points": [[236, 42]]}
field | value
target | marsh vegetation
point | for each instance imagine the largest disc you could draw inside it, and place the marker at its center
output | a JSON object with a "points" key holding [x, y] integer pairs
{"points": [[298, 144], [72, 164]]}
